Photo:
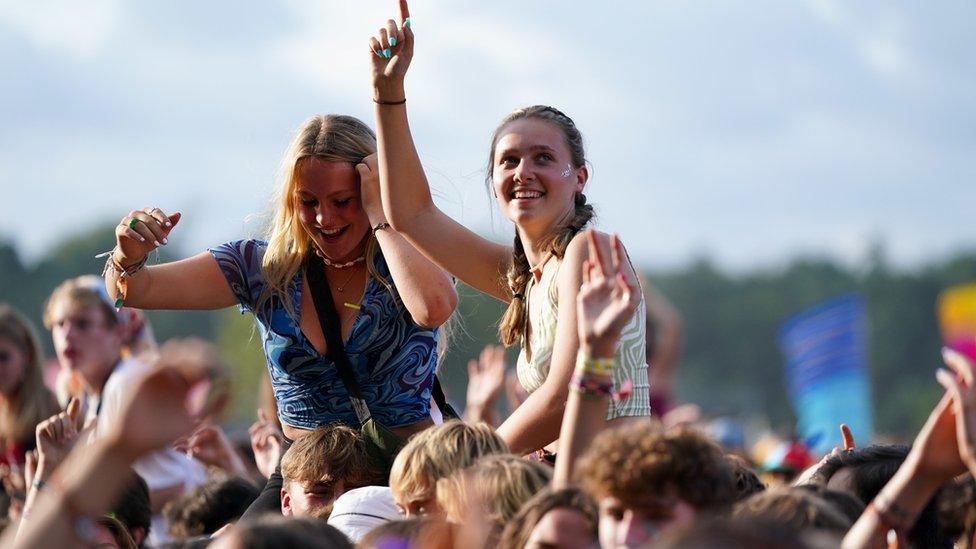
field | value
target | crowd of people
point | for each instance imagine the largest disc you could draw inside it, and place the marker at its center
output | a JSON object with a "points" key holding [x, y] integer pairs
{"points": [[351, 291]]}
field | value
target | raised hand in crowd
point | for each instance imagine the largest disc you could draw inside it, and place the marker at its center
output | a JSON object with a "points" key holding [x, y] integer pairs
{"points": [[486, 377], [210, 445], [392, 49], [266, 440], [167, 402], [607, 300], [56, 437], [935, 458], [847, 444], [963, 391]]}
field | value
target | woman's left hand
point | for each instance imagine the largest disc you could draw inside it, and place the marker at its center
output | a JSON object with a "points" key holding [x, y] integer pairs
{"points": [[607, 299], [391, 51], [369, 188]]}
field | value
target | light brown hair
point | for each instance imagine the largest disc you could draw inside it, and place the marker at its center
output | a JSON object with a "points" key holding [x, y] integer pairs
{"points": [[85, 292], [512, 327], [328, 454], [437, 453], [31, 402], [517, 531], [500, 483]]}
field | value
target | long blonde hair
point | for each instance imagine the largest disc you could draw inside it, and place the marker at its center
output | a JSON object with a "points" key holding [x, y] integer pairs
{"points": [[31, 402], [512, 327], [332, 138]]}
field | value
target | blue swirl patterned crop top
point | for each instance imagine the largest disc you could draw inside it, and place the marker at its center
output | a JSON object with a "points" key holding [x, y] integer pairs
{"points": [[394, 359]]}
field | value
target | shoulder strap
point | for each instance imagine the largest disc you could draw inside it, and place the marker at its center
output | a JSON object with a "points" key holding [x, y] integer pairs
{"points": [[331, 328]]}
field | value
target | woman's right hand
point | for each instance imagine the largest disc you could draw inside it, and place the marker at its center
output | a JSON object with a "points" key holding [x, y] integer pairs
{"points": [[608, 297], [141, 232], [391, 51]]}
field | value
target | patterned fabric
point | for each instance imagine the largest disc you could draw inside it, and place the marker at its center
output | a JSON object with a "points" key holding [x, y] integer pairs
{"points": [[631, 361], [393, 358]]}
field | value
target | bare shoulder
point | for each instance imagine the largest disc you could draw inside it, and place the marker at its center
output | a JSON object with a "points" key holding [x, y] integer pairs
{"points": [[578, 249]]}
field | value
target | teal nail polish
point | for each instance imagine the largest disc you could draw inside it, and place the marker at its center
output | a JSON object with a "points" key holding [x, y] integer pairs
{"points": [[379, 53], [387, 53], [406, 23], [393, 41]]}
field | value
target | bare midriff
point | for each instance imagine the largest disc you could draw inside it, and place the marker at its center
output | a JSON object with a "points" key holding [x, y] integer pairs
{"points": [[404, 431]]}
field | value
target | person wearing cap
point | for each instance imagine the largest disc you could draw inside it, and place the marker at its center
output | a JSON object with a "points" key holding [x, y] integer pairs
{"points": [[358, 511]]}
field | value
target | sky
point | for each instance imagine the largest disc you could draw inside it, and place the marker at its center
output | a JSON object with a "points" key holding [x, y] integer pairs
{"points": [[749, 132]]}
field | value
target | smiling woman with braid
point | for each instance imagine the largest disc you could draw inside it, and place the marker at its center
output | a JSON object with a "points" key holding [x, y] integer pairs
{"points": [[537, 171]]}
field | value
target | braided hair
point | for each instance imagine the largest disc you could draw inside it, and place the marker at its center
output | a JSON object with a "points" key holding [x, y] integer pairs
{"points": [[512, 327]]}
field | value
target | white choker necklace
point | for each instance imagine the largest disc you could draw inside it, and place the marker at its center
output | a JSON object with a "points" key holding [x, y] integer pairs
{"points": [[335, 265]]}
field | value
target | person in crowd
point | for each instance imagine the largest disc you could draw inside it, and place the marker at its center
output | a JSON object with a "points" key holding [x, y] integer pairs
{"points": [[360, 510], [24, 400], [565, 518], [88, 339], [219, 501], [110, 532], [320, 467], [427, 532], [864, 471], [133, 509], [538, 173], [329, 254], [747, 481], [485, 496], [647, 481], [436, 454], [801, 510], [942, 450], [271, 532], [172, 397], [722, 532]]}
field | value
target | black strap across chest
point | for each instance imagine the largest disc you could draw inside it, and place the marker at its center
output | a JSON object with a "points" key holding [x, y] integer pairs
{"points": [[331, 326]]}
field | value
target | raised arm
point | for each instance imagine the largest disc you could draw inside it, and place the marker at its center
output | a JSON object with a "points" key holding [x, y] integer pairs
{"points": [[940, 452], [193, 283], [406, 194], [426, 290], [607, 300], [537, 421]]}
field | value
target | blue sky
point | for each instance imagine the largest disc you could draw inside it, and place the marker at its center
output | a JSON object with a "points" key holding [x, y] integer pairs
{"points": [[747, 131]]}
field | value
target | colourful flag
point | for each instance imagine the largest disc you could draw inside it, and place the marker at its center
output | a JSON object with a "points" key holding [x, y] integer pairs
{"points": [[957, 318], [826, 371]]}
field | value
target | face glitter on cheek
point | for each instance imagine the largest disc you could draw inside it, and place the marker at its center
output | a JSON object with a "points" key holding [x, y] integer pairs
{"points": [[568, 172]]}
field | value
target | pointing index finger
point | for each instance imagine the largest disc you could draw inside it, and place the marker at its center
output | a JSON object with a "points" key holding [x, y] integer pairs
{"points": [[404, 11]]}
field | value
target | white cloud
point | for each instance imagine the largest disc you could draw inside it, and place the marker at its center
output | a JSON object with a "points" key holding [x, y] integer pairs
{"points": [[67, 27]]}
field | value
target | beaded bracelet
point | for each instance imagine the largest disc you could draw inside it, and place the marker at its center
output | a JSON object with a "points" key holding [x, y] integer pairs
{"points": [[596, 366], [122, 274]]}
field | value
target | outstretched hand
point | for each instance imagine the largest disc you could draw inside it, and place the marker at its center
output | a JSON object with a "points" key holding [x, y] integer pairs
{"points": [[608, 297], [56, 436], [266, 441], [391, 50], [486, 377]]}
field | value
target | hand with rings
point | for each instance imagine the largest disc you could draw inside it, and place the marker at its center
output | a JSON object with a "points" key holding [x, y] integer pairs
{"points": [[141, 232]]}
